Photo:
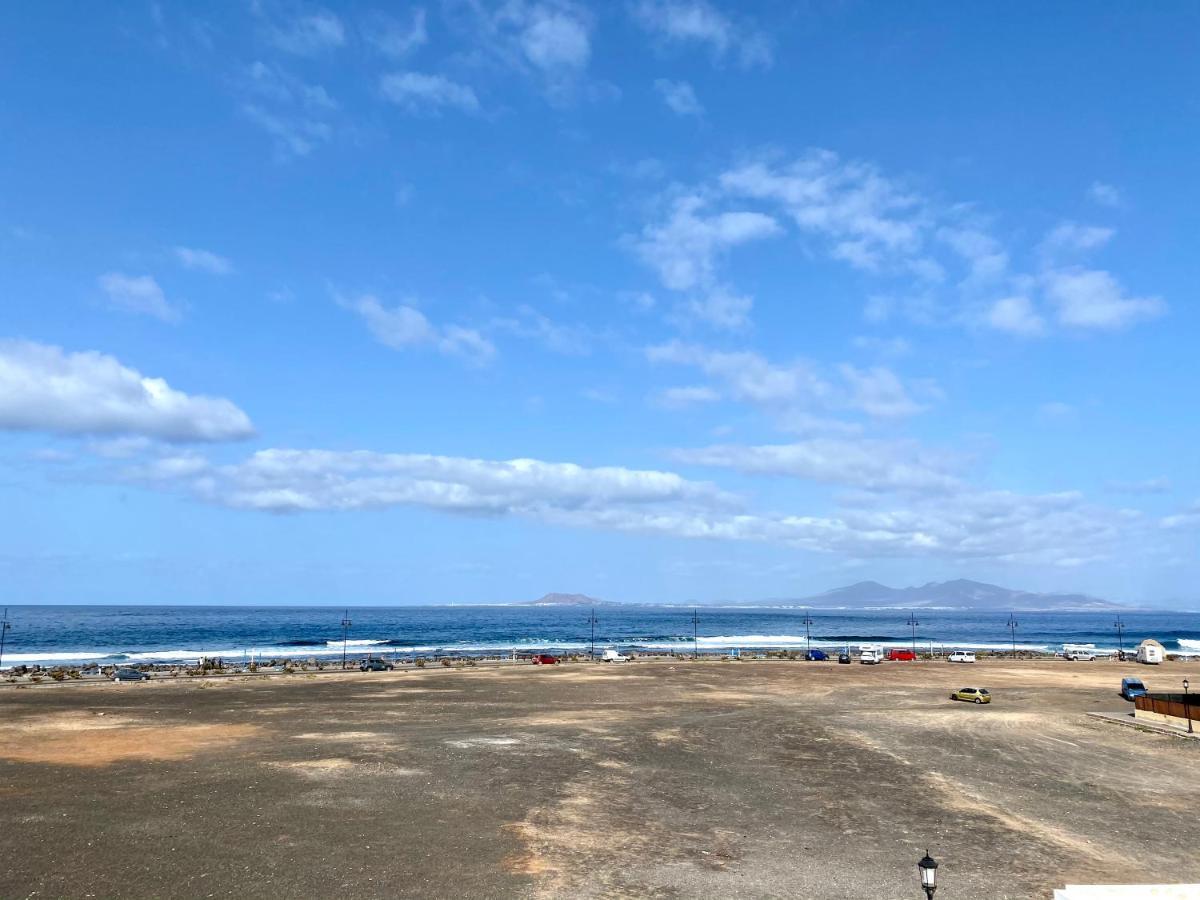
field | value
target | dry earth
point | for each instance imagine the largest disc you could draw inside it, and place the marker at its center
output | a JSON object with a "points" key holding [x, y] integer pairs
{"points": [[736, 779]]}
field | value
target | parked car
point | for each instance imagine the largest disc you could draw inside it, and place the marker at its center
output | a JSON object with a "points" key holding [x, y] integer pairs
{"points": [[870, 656], [961, 656], [375, 665], [611, 655], [1132, 687], [972, 695], [844, 659], [1079, 655], [545, 659], [130, 675], [816, 656], [897, 653]]}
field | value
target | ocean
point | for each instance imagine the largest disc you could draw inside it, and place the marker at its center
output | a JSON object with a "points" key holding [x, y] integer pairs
{"points": [[49, 635]]}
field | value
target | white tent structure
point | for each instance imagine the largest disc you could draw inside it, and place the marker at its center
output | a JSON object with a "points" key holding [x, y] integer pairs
{"points": [[1150, 652]]}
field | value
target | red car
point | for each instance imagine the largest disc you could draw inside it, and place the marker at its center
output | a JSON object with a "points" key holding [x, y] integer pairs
{"points": [[544, 659], [895, 653]]}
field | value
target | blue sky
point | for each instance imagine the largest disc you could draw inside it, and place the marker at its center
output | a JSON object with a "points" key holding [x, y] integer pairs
{"points": [[659, 300]]}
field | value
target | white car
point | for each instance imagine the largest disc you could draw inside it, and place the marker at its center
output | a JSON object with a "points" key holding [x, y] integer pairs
{"points": [[611, 655], [961, 656], [1078, 655]]}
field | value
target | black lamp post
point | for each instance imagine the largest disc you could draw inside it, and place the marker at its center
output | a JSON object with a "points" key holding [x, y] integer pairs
{"points": [[4, 626], [592, 620], [1012, 629], [913, 623], [346, 623], [1187, 706], [1120, 626], [928, 869], [695, 633], [808, 634]]}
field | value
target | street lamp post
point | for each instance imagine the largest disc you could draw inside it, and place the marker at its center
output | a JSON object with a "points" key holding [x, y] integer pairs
{"points": [[1012, 629], [346, 623], [928, 869], [592, 620], [1120, 626], [695, 633], [1187, 706], [808, 634], [4, 626], [913, 623]]}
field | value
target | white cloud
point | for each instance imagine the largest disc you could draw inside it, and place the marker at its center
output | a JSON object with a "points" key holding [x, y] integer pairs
{"points": [[698, 21], [554, 38], [418, 92], [294, 135], [529, 323], [720, 308], [549, 41], [895, 346], [1071, 237], [684, 249], [1015, 315], [138, 294], [296, 114], [43, 388], [879, 392], [1189, 517], [1104, 194], [1144, 486], [403, 327], [203, 260], [308, 35], [849, 211], [788, 389], [1056, 412], [1092, 298], [679, 96], [866, 219], [393, 37], [681, 397], [933, 523], [873, 465]]}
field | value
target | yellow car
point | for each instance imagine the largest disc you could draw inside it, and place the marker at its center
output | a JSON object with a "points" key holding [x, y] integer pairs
{"points": [[972, 695]]}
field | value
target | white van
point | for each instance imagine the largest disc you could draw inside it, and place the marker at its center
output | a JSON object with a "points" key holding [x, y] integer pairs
{"points": [[961, 656], [611, 655], [1150, 652], [870, 654]]}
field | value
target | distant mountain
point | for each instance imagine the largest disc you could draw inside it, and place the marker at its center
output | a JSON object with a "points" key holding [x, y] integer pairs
{"points": [[567, 600], [960, 594]]}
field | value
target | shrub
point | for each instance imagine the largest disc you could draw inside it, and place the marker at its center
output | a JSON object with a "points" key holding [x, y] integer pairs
{"points": [[446, 662], [419, 663]]}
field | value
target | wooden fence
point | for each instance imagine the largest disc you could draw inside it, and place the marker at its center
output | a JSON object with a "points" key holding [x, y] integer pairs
{"points": [[1182, 706]]}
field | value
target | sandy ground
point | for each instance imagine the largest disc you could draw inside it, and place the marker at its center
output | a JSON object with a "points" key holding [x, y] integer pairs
{"points": [[732, 779]]}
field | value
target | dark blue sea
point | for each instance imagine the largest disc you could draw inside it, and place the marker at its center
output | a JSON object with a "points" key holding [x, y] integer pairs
{"points": [[108, 634]]}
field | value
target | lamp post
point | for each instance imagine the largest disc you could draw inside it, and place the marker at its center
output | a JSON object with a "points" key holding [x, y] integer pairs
{"points": [[928, 869], [346, 623], [808, 634], [1120, 626], [1187, 706], [913, 623], [592, 620], [4, 626], [695, 633], [1012, 629]]}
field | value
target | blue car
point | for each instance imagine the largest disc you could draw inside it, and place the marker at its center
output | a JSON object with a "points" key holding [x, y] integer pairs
{"points": [[816, 656], [1132, 687]]}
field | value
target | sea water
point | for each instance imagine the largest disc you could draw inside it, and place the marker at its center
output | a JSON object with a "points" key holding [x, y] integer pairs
{"points": [[49, 635]]}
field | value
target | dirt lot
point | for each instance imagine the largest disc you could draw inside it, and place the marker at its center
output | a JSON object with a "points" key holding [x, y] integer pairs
{"points": [[654, 779]]}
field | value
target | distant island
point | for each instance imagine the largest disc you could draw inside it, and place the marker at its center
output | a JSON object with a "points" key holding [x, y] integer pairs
{"points": [[958, 594]]}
